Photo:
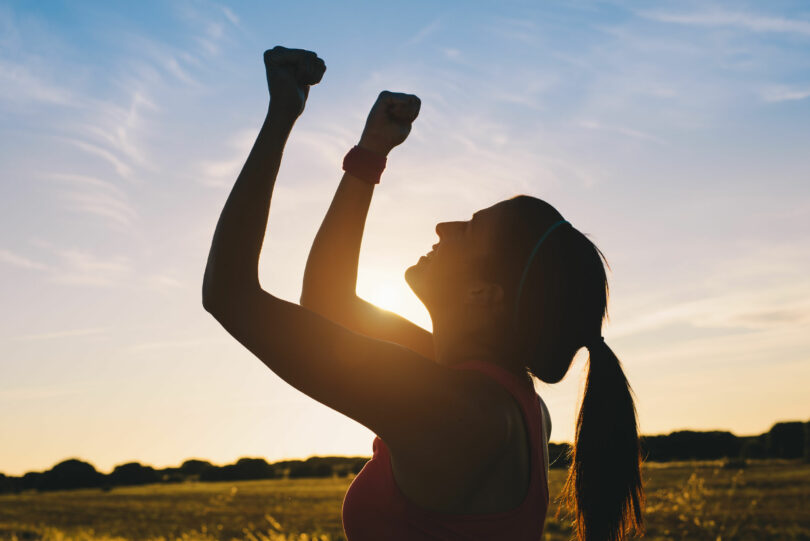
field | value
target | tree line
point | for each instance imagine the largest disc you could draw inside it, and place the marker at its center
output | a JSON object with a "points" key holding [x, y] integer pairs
{"points": [[786, 440]]}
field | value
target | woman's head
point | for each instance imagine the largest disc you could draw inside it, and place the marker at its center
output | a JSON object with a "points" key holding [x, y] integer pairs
{"points": [[471, 279]]}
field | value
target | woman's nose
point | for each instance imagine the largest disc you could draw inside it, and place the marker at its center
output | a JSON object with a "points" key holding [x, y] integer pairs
{"points": [[443, 227]]}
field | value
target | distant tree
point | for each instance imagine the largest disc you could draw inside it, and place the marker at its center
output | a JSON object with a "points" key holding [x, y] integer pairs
{"points": [[9, 484], [358, 465], [171, 475], [753, 447], [298, 469], [194, 466], [244, 469], [254, 468], [32, 480], [348, 466], [313, 467], [786, 440], [321, 470], [320, 466], [558, 455], [229, 472], [212, 473], [133, 473], [690, 445], [807, 441], [71, 473]]}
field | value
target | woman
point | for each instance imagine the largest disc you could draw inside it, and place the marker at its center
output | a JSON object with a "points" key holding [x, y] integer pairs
{"points": [[513, 293]]}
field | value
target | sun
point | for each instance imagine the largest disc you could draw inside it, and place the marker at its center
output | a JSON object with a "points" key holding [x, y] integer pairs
{"points": [[388, 296], [394, 296]]}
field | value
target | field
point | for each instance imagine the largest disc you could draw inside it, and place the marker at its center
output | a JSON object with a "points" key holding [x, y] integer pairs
{"points": [[767, 500]]}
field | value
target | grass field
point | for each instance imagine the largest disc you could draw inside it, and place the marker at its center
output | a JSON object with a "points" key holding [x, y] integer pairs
{"points": [[696, 501]]}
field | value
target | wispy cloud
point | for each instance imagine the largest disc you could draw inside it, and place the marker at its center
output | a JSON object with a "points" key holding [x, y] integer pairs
{"points": [[176, 344], [747, 21], [520, 30], [70, 333], [784, 93], [17, 260], [167, 60], [163, 281], [118, 164], [230, 15], [208, 24], [90, 195], [83, 268], [763, 290], [451, 53], [223, 172], [119, 127], [18, 83], [629, 132], [424, 32]]}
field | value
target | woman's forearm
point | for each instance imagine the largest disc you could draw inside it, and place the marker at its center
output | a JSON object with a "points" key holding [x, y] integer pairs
{"points": [[330, 277], [233, 260], [331, 272]]}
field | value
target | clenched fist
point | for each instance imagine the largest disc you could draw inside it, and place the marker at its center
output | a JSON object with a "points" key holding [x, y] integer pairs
{"points": [[290, 73], [389, 122]]}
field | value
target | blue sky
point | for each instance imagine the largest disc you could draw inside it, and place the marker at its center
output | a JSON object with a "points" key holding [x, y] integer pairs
{"points": [[674, 134]]}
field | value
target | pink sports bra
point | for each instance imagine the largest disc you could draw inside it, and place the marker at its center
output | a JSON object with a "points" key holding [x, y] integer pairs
{"points": [[375, 509]]}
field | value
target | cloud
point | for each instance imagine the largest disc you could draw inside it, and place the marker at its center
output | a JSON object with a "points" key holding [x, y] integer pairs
{"points": [[120, 167], [118, 126], [19, 84], [62, 334], [83, 268], [23, 262], [222, 172], [451, 53], [762, 290], [424, 32], [230, 15], [747, 21], [784, 93], [591, 125], [162, 281], [91, 195], [520, 30], [190, 343], [208, 24]]}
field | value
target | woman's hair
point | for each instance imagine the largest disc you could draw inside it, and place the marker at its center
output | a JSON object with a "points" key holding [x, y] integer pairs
{"points": [[562, 305]]}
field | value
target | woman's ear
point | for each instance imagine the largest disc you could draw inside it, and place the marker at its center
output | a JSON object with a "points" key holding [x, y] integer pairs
{"points": [[484, 294]]}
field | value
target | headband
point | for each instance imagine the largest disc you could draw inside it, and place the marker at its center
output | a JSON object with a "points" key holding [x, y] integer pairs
{"points": [[529, 262]]}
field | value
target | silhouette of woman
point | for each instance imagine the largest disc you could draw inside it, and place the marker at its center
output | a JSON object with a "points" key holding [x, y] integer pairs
{"points": [[513, 294]]}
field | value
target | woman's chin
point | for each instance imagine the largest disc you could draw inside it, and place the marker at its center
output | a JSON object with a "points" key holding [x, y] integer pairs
{"points": [[414, 275], [416, 279]]}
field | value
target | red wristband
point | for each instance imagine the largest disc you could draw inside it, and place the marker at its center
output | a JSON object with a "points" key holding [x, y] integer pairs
{"points": [[364, 164]]}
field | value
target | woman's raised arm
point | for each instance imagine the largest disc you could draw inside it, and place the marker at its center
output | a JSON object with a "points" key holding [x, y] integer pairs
{"points": [[330, 277], [233, 260]]}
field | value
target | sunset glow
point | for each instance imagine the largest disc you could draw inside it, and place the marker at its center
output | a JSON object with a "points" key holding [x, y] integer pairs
{"points": [[675, 136]]}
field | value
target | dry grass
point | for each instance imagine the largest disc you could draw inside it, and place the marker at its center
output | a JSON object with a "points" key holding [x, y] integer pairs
{"points": [[695, 501]]}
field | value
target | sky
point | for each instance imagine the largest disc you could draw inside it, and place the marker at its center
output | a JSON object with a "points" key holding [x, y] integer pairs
{"points": [[674, 134]]}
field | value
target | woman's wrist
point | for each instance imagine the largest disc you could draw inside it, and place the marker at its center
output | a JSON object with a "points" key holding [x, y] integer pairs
{"points": [[374, 146], [280, 117]]}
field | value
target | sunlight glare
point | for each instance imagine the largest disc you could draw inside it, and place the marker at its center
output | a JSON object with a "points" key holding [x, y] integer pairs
{"points": [[388, 296]]}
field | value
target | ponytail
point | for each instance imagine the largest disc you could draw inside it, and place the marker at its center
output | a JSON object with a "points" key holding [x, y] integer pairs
{"points": [[558, 284], [603, 491]]}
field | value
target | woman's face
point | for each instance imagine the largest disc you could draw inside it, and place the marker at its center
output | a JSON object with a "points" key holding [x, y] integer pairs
{"points": [[444, 273]]}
